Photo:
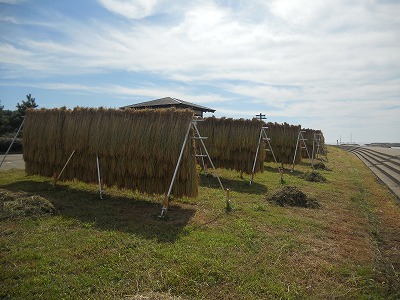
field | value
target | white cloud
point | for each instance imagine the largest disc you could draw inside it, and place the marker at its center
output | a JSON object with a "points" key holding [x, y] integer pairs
{"points": [[316, 59], [148, 92], [131, 9], [12, 1], [210, 43]]}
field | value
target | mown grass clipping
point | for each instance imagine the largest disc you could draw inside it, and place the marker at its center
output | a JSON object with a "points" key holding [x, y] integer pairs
{"points": [[137, 149], [232, 143], [293, 196], [313, 176], [21, 204]]}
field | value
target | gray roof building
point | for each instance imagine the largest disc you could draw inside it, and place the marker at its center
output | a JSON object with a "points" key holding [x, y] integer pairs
{"points": [[171, 102]]}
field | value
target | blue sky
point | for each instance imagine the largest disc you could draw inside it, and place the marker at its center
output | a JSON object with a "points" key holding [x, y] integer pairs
{"points": [[332, 65]]}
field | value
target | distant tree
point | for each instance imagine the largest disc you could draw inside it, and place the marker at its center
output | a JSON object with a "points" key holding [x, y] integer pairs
{"points": [[18, 115], [28, 103], [5, 120], [11, 120]]}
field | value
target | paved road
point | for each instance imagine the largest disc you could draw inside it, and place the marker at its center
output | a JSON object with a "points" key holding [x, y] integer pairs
{"points": [[12, 161], [384, 162]]}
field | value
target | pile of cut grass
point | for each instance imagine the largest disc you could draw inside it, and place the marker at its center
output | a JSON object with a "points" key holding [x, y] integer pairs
{"points": [[137, 150], [313, 176], [293, 196], [21, 204], [320, 166]]}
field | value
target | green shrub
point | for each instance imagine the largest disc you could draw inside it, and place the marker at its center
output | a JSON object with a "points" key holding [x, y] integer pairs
{"points": [[5, 143]]}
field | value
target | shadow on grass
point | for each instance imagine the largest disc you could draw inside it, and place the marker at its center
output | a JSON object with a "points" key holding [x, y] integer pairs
{"points": [[237, 185], [119, 213], [286, 171]]}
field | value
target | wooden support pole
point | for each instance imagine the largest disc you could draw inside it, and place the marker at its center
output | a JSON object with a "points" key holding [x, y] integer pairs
{"points": [[228, 201]]}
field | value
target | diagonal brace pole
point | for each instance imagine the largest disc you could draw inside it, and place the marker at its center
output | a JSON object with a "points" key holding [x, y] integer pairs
{"points": [[59, 175], [98, 177], [255, 158], [166, 199], [9, 148], [208, 155]]}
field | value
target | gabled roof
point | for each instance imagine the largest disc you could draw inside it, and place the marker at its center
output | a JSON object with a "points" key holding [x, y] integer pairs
{"points": [[168, 102]]}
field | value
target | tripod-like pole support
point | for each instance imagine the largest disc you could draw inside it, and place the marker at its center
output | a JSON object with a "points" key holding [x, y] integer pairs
{"points": [[164, 209]]}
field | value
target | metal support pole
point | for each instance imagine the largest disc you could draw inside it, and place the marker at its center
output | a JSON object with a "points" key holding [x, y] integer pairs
{"points": [[98, 177], [209, 158], [255, 158], [12, 142], [305, 146], [59, 175], [164, 209], [202, 162], [308, 153], [273, 155], [313, 149], [295, 151]]}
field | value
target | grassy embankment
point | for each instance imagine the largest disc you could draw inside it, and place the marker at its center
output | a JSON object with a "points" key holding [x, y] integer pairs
{"points": [[117, 248]]}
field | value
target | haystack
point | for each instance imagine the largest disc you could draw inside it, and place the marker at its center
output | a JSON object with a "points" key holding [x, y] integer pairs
{"points": [[137, 149], [232, 144]]}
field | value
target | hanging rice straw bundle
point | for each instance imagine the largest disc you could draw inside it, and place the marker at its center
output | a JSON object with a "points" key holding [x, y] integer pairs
{"points": [[232, 144], [308, 135], [311, 136], [137, 149], [283, 138]]}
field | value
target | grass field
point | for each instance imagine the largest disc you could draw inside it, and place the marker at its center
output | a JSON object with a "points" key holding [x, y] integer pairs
{"points": [[117, 248]]}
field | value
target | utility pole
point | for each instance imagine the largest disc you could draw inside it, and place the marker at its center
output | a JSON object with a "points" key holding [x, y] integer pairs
{"points": [[261, 117]]}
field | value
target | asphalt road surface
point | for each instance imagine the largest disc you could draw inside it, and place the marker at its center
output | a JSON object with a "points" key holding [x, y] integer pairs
{"points": [[384, 162], [12, 161]]}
